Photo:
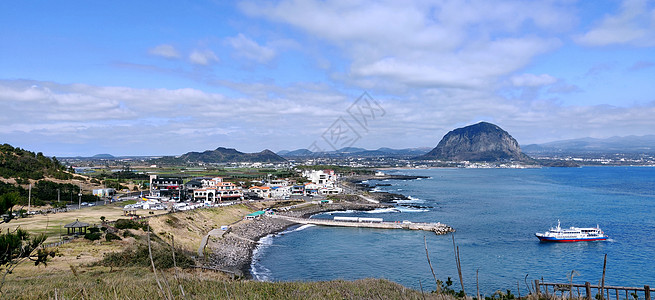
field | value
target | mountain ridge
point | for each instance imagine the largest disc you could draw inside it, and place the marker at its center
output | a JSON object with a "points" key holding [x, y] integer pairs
{"points": [[621, 144], [228, 155]]}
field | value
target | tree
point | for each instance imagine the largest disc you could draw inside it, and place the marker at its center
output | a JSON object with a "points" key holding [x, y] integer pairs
{"points": [[7, 201], [17, 247]]}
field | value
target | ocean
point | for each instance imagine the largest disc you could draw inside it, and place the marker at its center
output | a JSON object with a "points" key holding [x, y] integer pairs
{"points": [[496, 213]]}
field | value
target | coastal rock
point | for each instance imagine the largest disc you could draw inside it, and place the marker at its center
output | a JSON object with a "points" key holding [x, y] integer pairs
{"points": [[479, 142]]}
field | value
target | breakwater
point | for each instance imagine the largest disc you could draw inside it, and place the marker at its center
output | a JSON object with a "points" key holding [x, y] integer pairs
{"points": [[232, 251], [437, 228]]}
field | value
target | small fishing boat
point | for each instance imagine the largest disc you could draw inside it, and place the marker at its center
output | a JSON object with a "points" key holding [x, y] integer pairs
{"points": [[572, 234]]}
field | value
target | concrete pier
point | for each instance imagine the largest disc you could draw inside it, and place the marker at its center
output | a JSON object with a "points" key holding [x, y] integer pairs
{"points": [[437, 228]]}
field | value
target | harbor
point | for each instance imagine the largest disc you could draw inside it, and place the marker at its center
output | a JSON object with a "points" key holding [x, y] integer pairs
{"points": [[437, 228]]}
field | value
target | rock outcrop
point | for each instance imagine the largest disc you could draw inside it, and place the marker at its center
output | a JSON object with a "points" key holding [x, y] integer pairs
{"points": [[479, 142]]}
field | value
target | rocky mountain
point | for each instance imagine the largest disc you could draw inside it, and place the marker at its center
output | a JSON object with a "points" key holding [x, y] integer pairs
{"points": [[479, 142], [227, 155]]}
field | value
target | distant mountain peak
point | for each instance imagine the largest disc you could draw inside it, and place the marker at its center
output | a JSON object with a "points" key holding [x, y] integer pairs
{"points": [[478, 142], [228, 155]]}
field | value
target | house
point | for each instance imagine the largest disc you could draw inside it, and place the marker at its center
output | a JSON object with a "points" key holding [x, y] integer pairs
{"points": [[298, 190], [278, 182], [323, 182], [193, 184], [165, 186], [321, 176], [280, 191], [255, 215], [261, 191], [216, 190]]}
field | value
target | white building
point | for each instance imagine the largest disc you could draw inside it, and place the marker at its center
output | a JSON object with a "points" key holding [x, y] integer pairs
{"points": [[217, 190], [321, 177]]}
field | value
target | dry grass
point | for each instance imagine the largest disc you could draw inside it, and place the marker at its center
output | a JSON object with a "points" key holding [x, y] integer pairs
{"points": [[139, 283], [55, 222], [73, 274], [190, 226], [76, 253]]}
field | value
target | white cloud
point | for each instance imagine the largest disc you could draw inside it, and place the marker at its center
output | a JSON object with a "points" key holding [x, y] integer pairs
{"points": [[188, 118], [421, 44], [124, 120], [250, 49], [532, 80], [633, 25], [164, 50], [203, 57]]}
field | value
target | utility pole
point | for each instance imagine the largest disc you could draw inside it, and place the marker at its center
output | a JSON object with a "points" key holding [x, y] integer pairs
{"points": [[29, 198], [58, 198], [79, 203]]}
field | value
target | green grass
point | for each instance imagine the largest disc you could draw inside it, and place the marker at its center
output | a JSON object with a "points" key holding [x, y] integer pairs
{"points": [[123, 203]]}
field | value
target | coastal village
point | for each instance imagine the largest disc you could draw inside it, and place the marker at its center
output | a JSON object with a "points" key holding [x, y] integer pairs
{"points": [[215, 190]]}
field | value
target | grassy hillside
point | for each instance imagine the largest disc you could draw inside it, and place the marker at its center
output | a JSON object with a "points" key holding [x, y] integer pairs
{"points": [[23, 164], [140, 283]]}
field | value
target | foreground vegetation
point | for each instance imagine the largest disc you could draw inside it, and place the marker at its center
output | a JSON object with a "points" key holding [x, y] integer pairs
{"points": [[140, 283], [121, 268]]}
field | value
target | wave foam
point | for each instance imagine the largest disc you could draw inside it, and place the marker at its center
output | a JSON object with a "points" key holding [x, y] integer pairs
{"points": [[303, 227], [258, 271], [349, 211], [410, 200], [412, 210], [383, 210]]}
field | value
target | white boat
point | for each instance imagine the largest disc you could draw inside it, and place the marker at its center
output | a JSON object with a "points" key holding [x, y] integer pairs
{"points": [[572, 234]]}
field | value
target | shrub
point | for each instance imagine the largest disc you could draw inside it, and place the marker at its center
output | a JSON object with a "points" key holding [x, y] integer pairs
{"points": [[92, 236], [139, 256], [111, 236], [94, 229], [129, 224]]}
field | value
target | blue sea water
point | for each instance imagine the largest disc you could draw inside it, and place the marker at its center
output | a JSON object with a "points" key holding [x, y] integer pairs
{"points": [[496, 213]]}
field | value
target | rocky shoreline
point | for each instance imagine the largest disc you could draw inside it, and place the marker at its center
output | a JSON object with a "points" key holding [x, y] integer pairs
{"points": [[357, 183], [233, 252]]}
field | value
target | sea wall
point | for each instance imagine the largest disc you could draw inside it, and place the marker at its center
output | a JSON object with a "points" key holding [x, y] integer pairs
{"points": [[233, 251]]}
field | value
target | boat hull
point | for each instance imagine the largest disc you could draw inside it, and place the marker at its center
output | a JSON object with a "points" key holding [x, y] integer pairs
{"points": [[569, 240]]}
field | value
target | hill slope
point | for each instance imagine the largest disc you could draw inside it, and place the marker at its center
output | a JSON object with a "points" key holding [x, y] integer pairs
{"points": [[20, 163], [479, 142]]}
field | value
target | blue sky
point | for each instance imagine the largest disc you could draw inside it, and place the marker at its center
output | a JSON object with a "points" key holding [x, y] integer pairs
{"points": [[168, 77]]}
